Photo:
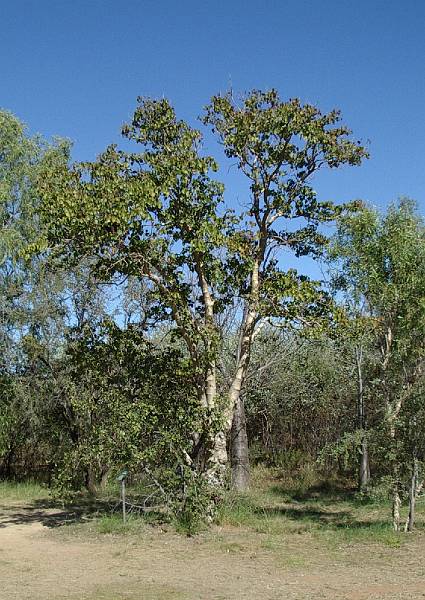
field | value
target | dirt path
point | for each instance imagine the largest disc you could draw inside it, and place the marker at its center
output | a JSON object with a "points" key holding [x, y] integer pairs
{"points": [[38, 561]]}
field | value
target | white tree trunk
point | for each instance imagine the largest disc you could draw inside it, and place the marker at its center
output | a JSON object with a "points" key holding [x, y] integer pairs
{"points": [[364, 470], [412, 494], [396, 507]]}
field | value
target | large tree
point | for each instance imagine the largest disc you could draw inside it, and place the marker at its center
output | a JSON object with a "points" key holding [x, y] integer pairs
{"points": [[158, 215]]}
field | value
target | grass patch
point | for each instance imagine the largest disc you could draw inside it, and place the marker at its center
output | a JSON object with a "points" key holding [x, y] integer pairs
{"points": [[114, 525], [232, 547], [367, 533], [27, 491], [332, 513]]}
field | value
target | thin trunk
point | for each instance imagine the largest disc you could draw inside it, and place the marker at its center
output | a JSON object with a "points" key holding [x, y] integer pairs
{"points": [[236, 410], [104, 478], [91, 484], [364, 470], [239, 448], [396, 502], [412, 494], [235, 416], [396, 507], [8, 462], [393, 410], [364, 475]]}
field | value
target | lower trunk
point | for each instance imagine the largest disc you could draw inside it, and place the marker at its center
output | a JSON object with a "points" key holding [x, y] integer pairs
{"points": [[8, 463], [104, 478], [239, 448], [412, 495], [96, 480], [393, 412], [217, 461], [91, 484], [396, 506], [364, 471]]}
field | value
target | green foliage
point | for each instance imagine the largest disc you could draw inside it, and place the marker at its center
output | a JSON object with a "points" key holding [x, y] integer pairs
{"points": [[128, 404], [21, 159], [101, 381], [158, 216], [383, 267], [192, 504], [386, 259], [28, 312], [279, 146]]}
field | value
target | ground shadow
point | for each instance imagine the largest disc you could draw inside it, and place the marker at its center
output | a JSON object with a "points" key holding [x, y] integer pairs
{"points": [[313, 515], [327, 492], [342, 519], [52, 514]]}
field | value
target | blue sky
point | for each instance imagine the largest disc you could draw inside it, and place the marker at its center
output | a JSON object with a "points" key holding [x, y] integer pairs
{"points": [[74, 68]]}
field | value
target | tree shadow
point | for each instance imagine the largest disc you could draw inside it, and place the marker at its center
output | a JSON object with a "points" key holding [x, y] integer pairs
{"points": [[333, 520], [326, 492], [312, 515], [52, 514]]}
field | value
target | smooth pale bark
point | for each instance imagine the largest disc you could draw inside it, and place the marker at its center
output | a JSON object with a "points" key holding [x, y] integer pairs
{"points": [[236, 420], [396, 501], [396, 507], [364, 469], [364, 474], [236, 417], [239, 448], [215, 445], [393, 410], [412, 495], [217, 456]]}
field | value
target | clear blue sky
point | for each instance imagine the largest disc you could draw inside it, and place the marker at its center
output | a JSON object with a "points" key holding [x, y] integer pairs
{"points": [[75, 67]]}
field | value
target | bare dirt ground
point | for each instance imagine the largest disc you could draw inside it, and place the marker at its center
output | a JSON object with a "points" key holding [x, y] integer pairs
{"points": [[41, 560]]}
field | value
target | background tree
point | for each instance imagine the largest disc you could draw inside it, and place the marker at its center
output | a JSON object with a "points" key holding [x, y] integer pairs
{"points": [[385, 256], [27, 307]]}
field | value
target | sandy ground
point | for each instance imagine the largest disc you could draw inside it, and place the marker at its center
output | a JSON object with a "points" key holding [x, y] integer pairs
{"points": [[38, 561]]}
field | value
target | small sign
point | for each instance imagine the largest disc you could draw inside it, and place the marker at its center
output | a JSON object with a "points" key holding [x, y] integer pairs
{"points": [[122, 476]]}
